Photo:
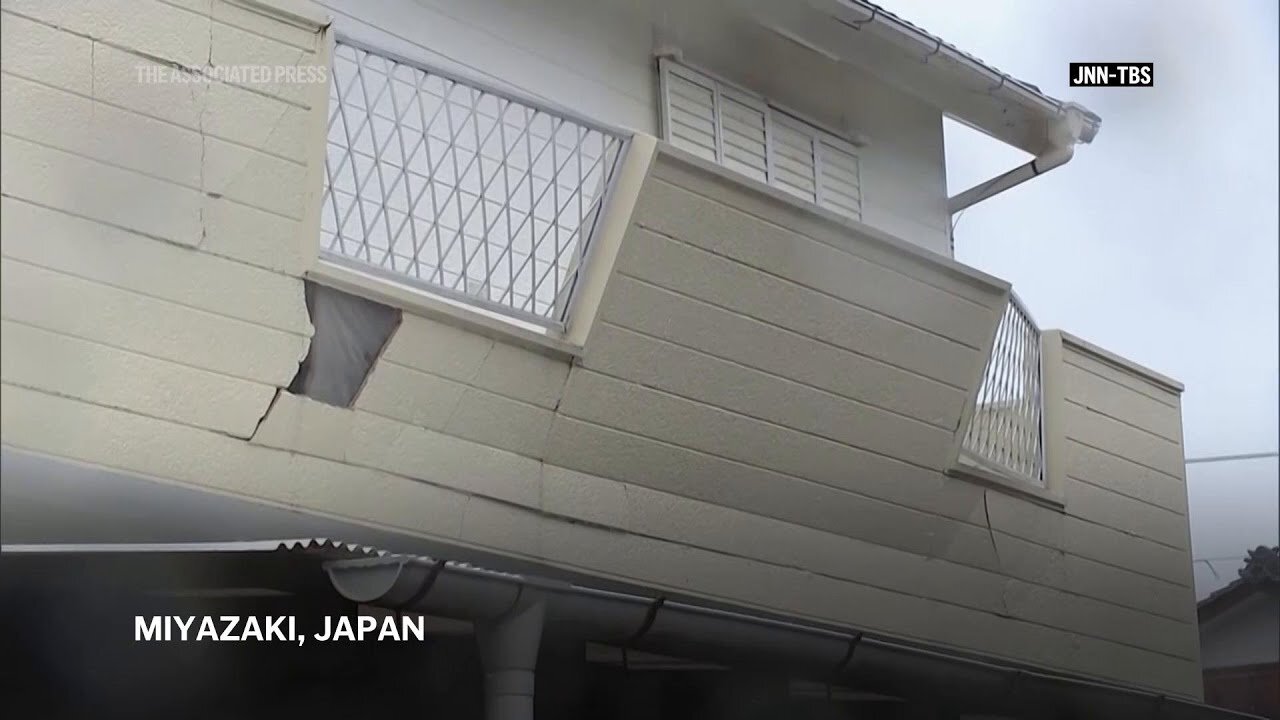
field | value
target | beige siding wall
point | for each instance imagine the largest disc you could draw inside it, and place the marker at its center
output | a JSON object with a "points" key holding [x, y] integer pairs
{"points": [[761, 415], [152, 231]]}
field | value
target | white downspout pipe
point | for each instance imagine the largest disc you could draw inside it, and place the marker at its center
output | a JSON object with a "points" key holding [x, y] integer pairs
{"points": [[509, 653], [1071, 129], [1055, 157]]}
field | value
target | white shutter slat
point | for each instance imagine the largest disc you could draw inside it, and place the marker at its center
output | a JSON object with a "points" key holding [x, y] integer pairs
{"points": [[793, 162], [691, 117], [743, 143], [839, 183]]}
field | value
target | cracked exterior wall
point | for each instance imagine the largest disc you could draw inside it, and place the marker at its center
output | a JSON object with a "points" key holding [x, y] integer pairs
{"points": [[154, 240], [151, 229]]}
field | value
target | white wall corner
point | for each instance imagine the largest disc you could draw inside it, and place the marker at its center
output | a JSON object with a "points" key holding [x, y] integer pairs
{"points": [[601, 255], [304, 14], [317, 135]]}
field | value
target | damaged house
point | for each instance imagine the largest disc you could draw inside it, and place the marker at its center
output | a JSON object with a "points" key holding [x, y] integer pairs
{"points": [[622, 342]]}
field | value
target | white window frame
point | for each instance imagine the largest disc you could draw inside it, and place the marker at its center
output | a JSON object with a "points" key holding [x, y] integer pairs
{"points": [[816, 132]]}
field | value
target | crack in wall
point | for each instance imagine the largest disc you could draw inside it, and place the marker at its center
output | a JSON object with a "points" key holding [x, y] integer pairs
{"points": [[263, 418]]}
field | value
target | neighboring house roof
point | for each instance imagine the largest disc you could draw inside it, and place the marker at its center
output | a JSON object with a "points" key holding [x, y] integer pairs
{"points": [[1261, 573]]}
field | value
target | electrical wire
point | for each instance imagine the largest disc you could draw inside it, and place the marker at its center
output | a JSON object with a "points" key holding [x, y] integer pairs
{"points": [[1224, 458]]}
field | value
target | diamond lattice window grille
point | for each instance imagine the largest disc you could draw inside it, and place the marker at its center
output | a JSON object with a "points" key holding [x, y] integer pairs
{"points": [[459, 189]]}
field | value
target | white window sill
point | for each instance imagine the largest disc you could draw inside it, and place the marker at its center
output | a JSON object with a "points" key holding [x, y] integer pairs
{"points": [[456, 313], [1025, 489]]}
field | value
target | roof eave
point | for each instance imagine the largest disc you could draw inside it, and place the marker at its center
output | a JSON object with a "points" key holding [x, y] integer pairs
{"points": [[1001, 86]]}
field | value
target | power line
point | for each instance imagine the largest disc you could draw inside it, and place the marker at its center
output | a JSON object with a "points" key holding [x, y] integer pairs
{"points": [[1224, 458]]}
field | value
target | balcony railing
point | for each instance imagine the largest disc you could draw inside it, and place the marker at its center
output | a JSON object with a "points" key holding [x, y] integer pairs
{"points": [[1006, 431], [466, 191]]}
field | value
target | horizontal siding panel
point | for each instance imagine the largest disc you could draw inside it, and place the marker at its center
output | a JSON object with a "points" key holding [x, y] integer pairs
{"points": [[115, 439], [662, 466], [214, 109], [110, 76], [686, 373], [111, 256], [230, 45], [409, 395], [714, 280], [36, 421], [727, 383], [722, 529], [472, 359], [1125, 514], [302, 425], [741, 340], [1099, 431], [730, 386], [148, 326], [1052, 608], [718, 228], [1104, 395], [1132, 553], [128, 140], [1119, 376], [385, 444], [788, 218], [77, 124], [35, 50], [1051, 528], [91, 189], [254, 178], [523, 375], [807, 596], [437, 348], [500, 422], [1055, 568], [246, 18], [153, 28], [627, 406], [1159, 597], [1123, 476], [252, 236], [443, 405], [713, 527], [102, 375], [698, 524]]}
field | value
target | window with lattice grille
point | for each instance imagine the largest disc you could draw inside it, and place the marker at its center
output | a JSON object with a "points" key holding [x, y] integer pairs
{"points": [[468, 191], [749, 135]]}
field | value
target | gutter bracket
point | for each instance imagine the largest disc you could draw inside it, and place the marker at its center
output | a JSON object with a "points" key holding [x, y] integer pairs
{"points": [[424, 587], [650, 616], [854, 641]]}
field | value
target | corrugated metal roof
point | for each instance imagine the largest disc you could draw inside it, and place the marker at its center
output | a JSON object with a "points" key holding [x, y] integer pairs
{"points": [[329, 549]]}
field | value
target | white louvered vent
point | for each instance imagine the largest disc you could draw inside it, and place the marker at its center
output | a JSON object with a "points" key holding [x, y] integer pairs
{"points": [[691, 114], [839, 187], [743, 132]]}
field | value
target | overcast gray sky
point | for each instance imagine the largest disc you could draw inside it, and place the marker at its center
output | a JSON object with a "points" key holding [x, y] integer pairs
{"points": [[1159, 240]]}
